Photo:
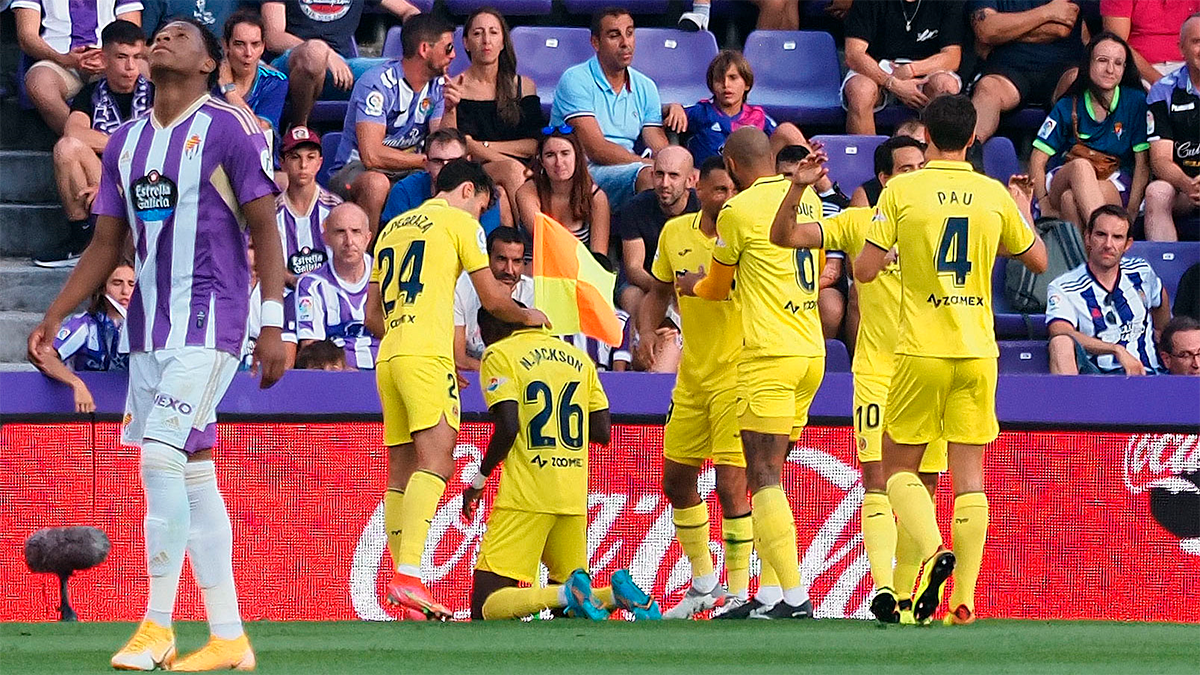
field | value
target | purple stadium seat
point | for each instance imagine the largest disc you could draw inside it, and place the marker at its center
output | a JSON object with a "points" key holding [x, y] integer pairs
{"points": [[796, 75], [1026, 118], [851, 159], [424, 5], [329, 147], [333, 111], [393, 48], [1010, 324], [506, 7], [1170, 259], [837, 358], [543, 53], [677, 61], [1024, 356], [1000, 159], [590, 7]]}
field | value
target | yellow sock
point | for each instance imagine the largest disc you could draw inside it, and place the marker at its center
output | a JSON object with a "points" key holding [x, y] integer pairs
{"points": [[908, 563], [691, 529], [739, 542], [879, 537], [420, 503], [969, 532], [775, 532], [914, 509], [393, 503], [514, 603], [767, 576], [605, 595]]}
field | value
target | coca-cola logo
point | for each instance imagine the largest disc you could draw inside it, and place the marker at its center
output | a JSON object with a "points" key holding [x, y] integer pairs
{"points": [[1160, 460]]}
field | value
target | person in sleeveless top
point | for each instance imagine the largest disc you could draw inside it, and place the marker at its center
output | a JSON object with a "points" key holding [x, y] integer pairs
{"points": [[562, 189]]}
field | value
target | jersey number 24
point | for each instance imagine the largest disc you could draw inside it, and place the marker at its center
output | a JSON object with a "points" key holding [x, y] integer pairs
{"points": [[408, 277]]}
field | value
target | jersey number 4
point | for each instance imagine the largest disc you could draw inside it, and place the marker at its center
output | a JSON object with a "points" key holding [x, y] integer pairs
{"points": [[408, 277], [952, 252], [570, 416]]}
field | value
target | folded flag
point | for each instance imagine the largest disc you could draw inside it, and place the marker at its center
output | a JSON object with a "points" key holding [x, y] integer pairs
{"points": [[570, 286]]}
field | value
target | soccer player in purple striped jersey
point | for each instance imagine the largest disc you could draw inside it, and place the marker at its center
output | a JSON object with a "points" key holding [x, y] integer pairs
{"points": [[187, 180]]}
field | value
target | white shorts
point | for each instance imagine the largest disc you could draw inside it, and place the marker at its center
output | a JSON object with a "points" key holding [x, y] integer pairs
{"points": [[1117, 178], [887, 97], [173, 396]]}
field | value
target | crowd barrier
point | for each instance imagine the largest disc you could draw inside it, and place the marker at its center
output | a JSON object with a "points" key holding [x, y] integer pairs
{"points": [[1095, 514]]}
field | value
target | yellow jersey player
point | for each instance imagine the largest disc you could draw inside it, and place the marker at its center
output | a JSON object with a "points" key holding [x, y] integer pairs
{"points": [[702, 420], [546, 403], [418, 258], [947, 223], [879, 304], [783, 355]]}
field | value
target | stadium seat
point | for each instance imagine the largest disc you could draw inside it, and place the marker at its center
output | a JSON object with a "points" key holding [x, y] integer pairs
{"points": [[1010, 324], [837, 358], [677, 61], [1170, 259], [796, 75], [334, 111], [329, 148], [1000, 159], [851, 159], [393, 48], [1024, 356], [590, 7], [544, 52], [505, 7]]}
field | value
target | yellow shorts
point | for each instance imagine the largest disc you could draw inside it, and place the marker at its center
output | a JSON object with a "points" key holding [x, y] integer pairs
{"points": [[776, 393], [516, 541], [870, 401], [932, 398], [703, 426], [415, 393]]}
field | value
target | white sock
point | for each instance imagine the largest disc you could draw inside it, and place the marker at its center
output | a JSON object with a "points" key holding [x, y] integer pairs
{"points": [[562, 595], [796, 596], [706, 583], [166, 524], [702, 8], [210, 546], [769, 595]]}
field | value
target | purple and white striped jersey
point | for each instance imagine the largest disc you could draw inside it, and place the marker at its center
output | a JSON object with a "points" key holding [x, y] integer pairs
{"points": [[601, 353], [304, 247], [67, 24], [181, 187], [331, 308]]}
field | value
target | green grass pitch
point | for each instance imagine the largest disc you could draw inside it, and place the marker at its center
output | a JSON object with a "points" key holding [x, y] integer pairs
{"points": [[669, 647]]}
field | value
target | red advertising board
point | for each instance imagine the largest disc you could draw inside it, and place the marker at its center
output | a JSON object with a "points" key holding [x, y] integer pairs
{"points": [[1072, 534]]}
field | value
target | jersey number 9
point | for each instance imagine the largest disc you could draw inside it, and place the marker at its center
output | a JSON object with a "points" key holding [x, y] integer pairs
{"points": [[570, 416], [408, 277]]}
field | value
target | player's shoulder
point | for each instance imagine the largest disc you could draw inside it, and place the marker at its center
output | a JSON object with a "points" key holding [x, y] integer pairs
{"points": [[677, 226], [230, 117], [1137, 264]]}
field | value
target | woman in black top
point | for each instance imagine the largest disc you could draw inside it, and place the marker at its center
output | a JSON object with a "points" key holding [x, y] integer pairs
{"points": [[500, 112]]}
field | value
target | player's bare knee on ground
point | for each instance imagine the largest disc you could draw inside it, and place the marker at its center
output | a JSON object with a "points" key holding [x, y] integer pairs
{"points": [[1062, 355]]}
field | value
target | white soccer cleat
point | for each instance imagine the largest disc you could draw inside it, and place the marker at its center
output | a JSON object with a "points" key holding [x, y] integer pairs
{"points": [[151, 647], [692, 22], [694, 602]]}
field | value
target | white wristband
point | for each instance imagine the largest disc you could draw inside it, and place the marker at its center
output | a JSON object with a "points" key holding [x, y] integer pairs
{"points": [[272, 314], [479, 481]]}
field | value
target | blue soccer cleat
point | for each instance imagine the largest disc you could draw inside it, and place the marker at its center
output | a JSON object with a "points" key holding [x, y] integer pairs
{"points": [[629, 597], [581, 602]]}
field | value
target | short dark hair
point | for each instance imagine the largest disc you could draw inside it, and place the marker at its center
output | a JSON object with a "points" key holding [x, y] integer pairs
{"points": [[712, 164], [1108, 210], [420, 29], [885, 162], [462, 170], [790, 154], [211, 44], [491, 328], [121, 32], [243, 16], [505, 235], [1179, 324], [444, 135], [320, 355], [599, 17], [949, 121]]}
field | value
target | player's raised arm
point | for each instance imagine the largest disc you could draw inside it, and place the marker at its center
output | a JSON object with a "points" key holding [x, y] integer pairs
{"points": [[497, 299], [789, 229]]}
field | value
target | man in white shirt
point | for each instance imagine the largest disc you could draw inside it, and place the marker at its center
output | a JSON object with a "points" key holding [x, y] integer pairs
{"points": [[506, 258]]}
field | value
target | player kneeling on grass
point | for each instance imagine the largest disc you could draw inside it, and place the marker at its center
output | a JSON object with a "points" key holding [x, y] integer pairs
{"points": [[547, 404]]}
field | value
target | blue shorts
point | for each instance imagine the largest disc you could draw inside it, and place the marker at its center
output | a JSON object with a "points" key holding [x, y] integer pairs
{"points": [[358, 66], [617, 181]]}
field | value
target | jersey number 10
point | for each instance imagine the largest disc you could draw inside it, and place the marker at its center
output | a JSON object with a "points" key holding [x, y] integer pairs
{"points": [[952, 252]]}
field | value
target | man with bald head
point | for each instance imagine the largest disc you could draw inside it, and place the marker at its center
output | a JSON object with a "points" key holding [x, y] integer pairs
{"points": [[641, 220], [331, 300], [782, 361]]}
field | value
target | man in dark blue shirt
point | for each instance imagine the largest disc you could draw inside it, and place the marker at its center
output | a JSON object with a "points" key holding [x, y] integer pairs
{"points": [[441, 147]]}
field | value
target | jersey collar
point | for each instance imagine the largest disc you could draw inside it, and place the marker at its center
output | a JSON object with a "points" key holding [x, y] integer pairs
{"points": [[1091, 103], [949, 165], [768, 179]]}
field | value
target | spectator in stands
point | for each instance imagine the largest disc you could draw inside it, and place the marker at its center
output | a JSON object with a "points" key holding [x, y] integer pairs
{"points": [[898, 154], [1095, 138], [1173, 200], [611, 105], [1150, 27], [1103, 315], [899, 51], [321, 355], [244, 79], [1180, 345], [63, 39], [211, 13], [441, 147], [331, 301], [640, 221], [301, 209], [315, 43], [772, 15], [500, 112], [393, 108], [1187, 293], [832, 198], [562, 188], [506, 258], [91, 340], [1031, 45], [97, 110]]}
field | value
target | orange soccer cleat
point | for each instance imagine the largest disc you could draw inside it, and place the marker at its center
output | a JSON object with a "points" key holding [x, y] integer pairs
{"points": [[410, 592], [219, 654], [151, 647]]}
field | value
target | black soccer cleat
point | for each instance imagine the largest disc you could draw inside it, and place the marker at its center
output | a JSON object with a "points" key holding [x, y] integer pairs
{"points": [[736, 608], [933, 579], [884, 606], [782, 610]]}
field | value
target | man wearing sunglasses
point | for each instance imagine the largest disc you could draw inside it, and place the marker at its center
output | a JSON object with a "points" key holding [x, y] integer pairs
{"points": [[393, 109], [1103, 315]]}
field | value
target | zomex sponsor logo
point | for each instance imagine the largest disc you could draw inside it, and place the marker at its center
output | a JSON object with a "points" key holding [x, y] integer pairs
{"points": [[947, 300], [170, 403]]}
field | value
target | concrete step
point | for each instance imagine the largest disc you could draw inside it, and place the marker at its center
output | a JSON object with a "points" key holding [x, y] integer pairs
{"points": [[22, 129], [28, 177], [27, 288], [14, 332], [26, 229]]}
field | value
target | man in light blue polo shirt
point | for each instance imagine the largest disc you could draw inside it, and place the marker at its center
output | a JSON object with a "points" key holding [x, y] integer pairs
{"points": [[609, 105]]}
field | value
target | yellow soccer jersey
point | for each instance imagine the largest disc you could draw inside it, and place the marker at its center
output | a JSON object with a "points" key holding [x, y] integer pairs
{"points": [[947, 223], [777, 286], [418, 258], [878, 301], [555, 386], [712, 331]]}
